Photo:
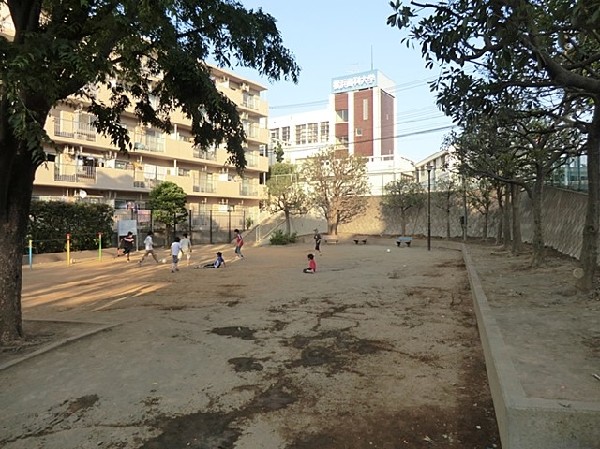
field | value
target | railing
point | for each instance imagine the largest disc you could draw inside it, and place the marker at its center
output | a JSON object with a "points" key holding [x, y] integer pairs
{"points": [[248, 191], [205, 188], [206, 155], [74, 129], [77, 174], [149, 143]]}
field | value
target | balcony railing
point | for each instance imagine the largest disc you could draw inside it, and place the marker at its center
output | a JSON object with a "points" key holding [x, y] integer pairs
{"points": [[149, 143], [73, 173], [74, 129], [204, 188], [206, 155], [248, 190]]}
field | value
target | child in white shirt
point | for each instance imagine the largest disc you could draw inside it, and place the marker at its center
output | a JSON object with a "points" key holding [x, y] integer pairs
{"points": [[175, 249]]}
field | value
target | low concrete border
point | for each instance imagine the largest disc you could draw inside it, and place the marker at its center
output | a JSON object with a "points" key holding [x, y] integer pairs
{"points": [[49, 347], [527, 423]]}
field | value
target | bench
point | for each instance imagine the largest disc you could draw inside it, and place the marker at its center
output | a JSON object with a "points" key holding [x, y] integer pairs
{"points": [[331, 241], [403, 239], [357, 241]]}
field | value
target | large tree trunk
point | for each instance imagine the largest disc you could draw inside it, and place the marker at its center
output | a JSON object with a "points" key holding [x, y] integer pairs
{"points": [[486, 216], [538, 234], [517, 241], [448, 236], [288, 222], [506, 219], [589, 247], [15, 199], [500, 233], [402, 222]]}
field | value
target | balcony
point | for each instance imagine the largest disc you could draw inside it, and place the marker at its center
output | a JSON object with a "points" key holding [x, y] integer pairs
{"points": [[103, 178], [206, 155], [206, 187], [248, 190]]}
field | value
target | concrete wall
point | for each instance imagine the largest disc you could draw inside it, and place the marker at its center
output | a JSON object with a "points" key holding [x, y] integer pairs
{"points": [[563, 219]]}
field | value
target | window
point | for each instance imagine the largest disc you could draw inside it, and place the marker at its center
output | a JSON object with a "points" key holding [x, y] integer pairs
{"points": [[312, 134], [342, 115], [358, 132], [285, 134], [301, 134], [324, 131], [365, 109]]}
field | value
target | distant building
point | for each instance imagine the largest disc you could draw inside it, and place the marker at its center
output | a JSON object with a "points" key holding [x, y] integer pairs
{"points": [[360, 120]]}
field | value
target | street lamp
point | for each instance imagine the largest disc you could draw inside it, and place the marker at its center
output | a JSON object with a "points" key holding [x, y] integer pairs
{"points": [[429, 168], [229, 210]]}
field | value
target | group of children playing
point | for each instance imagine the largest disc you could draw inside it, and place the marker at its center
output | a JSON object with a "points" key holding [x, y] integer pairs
{"points": [[183, 246]]}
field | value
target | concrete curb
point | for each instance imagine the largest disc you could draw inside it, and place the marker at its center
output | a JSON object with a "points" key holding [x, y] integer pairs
{"points": [[59, 343], [524, 422]]}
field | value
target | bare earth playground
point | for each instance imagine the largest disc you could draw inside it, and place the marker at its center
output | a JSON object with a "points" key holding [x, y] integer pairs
{"points": [[378, 349]]}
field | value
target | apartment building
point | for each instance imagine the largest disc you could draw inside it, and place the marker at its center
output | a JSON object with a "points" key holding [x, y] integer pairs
{"points": [[359, 119], [87, 167]]}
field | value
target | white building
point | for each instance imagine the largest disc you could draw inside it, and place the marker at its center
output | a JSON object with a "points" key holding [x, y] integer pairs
{"points": [[360, 119]]}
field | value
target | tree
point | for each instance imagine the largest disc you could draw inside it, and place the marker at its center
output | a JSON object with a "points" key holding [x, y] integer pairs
{"points": [[400, 196], [278, 153], [285, 193], [338, 186], [168, 204], [521, 150], [444, 198], [480, 197], [514, 45], [148, 55]]}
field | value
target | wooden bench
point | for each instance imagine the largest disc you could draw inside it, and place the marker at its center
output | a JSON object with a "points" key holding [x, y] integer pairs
{"points": [[357, 241], [403, 239]]}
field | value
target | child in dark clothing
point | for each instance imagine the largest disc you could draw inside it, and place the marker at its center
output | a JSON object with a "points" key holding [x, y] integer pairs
{"points": [[218, 263]]}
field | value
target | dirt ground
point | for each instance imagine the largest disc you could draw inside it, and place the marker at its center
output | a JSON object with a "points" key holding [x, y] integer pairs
{"points": [[377, 350]]}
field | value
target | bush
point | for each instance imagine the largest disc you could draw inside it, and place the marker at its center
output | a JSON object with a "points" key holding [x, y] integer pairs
{"points": [[50, 221], [280, 238]]}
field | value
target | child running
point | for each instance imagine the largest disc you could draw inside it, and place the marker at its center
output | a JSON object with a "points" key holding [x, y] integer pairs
{"points": [[127, 244], [186, 247], [149, 248], [312, 264], [175, 248], [239, 242]]}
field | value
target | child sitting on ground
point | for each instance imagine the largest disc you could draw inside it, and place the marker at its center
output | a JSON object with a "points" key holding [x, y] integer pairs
{"points": [[218, 263], [312, 264]]}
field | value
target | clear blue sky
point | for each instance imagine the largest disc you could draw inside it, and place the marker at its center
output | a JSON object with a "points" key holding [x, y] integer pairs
{"points": [[333, 38]]}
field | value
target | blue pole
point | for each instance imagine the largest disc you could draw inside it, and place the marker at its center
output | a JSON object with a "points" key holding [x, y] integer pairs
{"points": [[30, 254]]}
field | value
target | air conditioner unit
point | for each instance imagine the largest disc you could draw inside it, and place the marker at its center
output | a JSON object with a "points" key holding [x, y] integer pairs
{"points": [[244, 116], [245, 87]]}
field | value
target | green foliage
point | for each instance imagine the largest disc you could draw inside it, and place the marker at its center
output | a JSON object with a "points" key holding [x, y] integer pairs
{"points": [[281, 238], [168, 203], [278, 153], [51, 221], [59, 50]]}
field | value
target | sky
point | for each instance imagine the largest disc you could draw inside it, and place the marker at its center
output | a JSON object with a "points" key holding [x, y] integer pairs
{"points": [[334, 38]]}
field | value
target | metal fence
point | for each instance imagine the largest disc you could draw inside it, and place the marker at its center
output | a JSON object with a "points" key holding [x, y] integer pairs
{"points": [[202, 228]]}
